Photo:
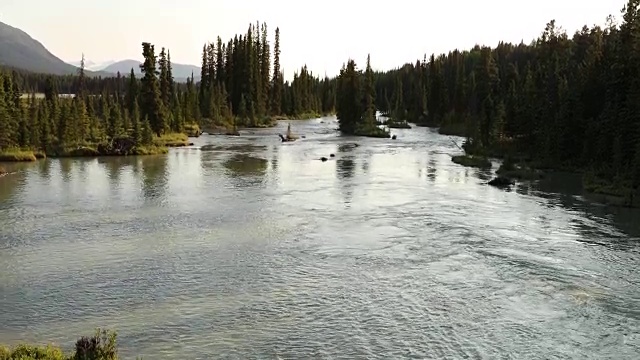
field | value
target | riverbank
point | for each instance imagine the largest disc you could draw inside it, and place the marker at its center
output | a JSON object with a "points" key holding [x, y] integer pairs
{"points": [[116, 147], [614, 191]]}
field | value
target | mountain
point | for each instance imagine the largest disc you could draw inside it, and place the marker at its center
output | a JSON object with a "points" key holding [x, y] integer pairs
{"points": [[180, 71], [21, 51], [91, 65]]}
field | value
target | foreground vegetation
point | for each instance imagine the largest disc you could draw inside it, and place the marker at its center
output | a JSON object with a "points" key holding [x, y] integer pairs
{"points": [[101, 346]]}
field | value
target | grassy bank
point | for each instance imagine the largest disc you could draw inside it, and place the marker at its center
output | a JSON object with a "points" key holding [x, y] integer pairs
{"points": [[192, 130], [18, 155], [101, 346], [171, 140], [116, 147]]}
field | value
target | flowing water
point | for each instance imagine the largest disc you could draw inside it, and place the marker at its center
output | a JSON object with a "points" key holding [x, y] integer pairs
{"points": [[245, 247]]}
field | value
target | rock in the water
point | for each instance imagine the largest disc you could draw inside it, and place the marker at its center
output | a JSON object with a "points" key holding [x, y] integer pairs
{"points": [[332, 155], [393, 137], [501, 181], [324, 159]]}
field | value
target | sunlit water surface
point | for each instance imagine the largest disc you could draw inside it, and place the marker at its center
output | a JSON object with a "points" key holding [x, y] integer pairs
{"points": [[250, 248]]}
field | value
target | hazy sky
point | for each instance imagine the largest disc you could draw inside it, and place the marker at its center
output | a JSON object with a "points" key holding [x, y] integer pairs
{"points": [[322, 34]]}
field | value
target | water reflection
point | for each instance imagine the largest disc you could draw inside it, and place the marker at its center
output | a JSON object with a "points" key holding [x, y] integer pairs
{"points": [[246, 170], [345, 169], [154, 177], [44, 169], [65, 169], [432, 168]]}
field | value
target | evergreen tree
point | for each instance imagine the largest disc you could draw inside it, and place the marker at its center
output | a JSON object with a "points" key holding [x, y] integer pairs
{"points": [[277, 82], [151, 100]]}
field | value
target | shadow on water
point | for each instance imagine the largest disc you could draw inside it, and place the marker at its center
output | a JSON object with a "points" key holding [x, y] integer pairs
{"points": [[566, 190], [154, 177]]}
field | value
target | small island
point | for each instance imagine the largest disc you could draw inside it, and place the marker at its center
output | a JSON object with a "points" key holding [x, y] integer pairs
{"points": [[355, 104]]}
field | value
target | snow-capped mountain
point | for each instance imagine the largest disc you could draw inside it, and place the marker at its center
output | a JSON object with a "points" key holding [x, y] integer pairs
{"points": [[92, 65]]}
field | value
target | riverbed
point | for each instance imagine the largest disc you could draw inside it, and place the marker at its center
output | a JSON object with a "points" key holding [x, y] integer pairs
{"points": [[246, 247]]}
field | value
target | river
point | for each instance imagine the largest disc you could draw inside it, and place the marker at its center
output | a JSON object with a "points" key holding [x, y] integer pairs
{"points": [[251, 248]]}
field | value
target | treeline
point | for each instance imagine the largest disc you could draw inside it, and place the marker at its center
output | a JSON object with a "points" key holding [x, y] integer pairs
{"points": [[560, 101], [54, 124], [29, 82], [240, 86], [238, 78]]}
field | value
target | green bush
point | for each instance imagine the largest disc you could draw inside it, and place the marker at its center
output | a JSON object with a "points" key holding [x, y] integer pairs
{"points": [[101, 346]]}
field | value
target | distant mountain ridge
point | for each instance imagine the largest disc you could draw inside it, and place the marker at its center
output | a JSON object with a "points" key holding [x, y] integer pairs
{"points": [[92, 66], [20, 51], [180, 71]]}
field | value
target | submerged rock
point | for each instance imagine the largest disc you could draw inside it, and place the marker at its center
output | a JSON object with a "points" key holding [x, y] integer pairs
{"points": [[501, 181]]}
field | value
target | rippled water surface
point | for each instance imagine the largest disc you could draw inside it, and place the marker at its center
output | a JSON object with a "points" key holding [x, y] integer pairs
{"points": [[249, 248]]}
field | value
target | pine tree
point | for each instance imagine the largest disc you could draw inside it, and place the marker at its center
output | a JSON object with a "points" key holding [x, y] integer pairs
{"points": [[369, 96], [277, 82], [349, 105], [136, 133], [165, 83], [151, 101]]}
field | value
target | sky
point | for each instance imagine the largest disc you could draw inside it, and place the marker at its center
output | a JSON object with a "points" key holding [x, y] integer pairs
{"points": [[321, 34]]}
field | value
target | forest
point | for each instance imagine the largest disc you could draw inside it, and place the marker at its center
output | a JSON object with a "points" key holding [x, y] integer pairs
{"points": [[559, 102], [241, 85]]}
